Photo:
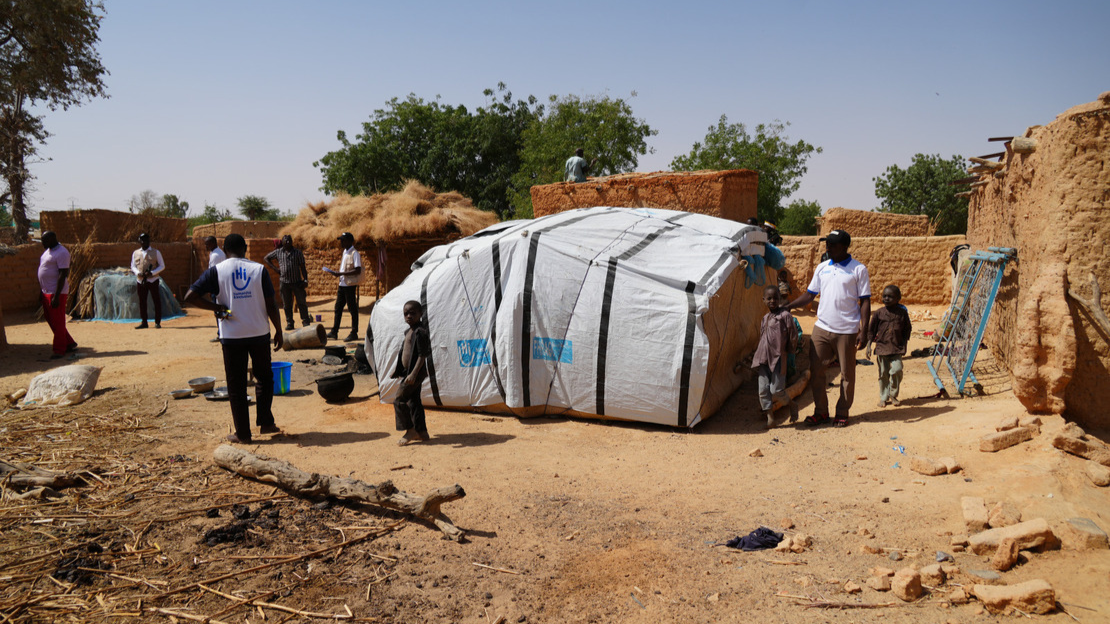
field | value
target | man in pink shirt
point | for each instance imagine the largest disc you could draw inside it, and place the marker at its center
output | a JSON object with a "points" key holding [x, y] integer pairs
{"points": [[54, 284]]}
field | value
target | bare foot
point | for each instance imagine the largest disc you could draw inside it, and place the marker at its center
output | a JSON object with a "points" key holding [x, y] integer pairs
{"points": [[407, 441], [882, 403], [234, 439], [793, 412], [423, 437], [895, 402], [770, 415]]}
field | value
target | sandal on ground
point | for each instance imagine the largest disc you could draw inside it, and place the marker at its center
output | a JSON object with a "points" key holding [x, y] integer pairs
{"points": [[407, 441], [816, 419], [840, 421]]}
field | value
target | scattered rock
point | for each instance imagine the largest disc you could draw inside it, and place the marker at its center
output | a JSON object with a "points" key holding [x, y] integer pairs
{"points": [[1007, 423], [786, 523], [714, 597], [1029, 534], [943, 556], [785, 544], [950, 569], [987, 575], [959, 548], [957, 596], [1006, 555], [885, 499], [1031, 597], [1030, 422], [975, 513], [871, 550], [932, 575], [1082, 534], [803, 540], [950, 464], [1092, 450], [994, 442], [1098, 474], [755, 452], [861, 457], [879, 583], [906, 584], [881, 571], [926, 466], [895, 555], [852, 588], [864, 531], [1003, 514], [803, 581], [958, 540]]}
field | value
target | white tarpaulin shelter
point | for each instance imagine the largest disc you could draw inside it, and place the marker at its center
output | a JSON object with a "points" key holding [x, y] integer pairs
{"points": [[627, 313]]}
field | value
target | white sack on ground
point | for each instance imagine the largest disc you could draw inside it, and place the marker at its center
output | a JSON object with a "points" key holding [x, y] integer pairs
{"points": [[63, 386], [634, 314]]}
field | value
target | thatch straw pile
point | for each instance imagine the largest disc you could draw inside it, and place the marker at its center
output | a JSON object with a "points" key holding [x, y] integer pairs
{"points": [[414, 215], [82, 259]]}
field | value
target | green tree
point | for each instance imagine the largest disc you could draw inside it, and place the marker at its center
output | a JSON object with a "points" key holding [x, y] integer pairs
{"points": [[800, 218], [257, 208], [780, 163], [48, 58], [173, 207], [604, 127], [211, 214], [924, 188], [147, 202], [445, 147]]}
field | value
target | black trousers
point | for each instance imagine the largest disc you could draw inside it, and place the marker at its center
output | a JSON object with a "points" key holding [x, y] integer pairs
{"points": [[236, 352], [155, 292], [408, 411], [346, 297], [288, 292]]}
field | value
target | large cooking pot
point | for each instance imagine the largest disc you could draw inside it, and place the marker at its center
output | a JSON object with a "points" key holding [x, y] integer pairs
{"points": [[336, 388]]}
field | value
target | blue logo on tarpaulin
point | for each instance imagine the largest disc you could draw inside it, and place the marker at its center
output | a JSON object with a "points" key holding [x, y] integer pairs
{"points": [[473, 352], [553, 350]]}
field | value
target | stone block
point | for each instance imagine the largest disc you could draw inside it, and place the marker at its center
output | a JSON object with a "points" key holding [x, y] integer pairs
{"points": [[1094, 451], [1031, 422], [950, 464], [852, 588], [957, 596], [926, 466], [933, 575], [975, 513], [879, 583], [1007, 423], [1031, 597], [1003, 514], [1029, 534], [1006, 555], [882, 571], [906, 584], [994, 442], [1098, 474], [1082, 534]]}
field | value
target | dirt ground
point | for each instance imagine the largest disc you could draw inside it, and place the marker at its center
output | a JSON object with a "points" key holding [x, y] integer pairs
{"points": [[588, 521]]}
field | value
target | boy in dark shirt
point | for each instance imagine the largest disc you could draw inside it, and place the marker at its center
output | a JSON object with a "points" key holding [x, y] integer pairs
{"points": [[776, 339], [889, 332], [407, 408]]}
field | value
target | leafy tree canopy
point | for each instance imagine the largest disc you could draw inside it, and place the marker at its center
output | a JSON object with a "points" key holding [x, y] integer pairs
{"points": [[923, 189], [211, 214], [150, 203], [780, 163], [602, 126], [492, 155], [800, 218], [47, 57], [257, 208]]}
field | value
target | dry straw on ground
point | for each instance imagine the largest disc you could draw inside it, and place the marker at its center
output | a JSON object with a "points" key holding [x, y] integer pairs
{"points": [[415, 213]]}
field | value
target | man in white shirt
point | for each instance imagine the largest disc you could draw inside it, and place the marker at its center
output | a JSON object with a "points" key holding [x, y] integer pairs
{"points": [[243, 300], [215, 256], [54, 284], [843, 314], [146, 264], [350, 276]]}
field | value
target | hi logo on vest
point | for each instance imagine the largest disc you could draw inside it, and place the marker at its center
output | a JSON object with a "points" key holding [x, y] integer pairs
{"points": [[238, 275]]}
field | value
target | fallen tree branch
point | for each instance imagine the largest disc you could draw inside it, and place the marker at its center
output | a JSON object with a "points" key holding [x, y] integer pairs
{"points": [[21, 476], [1094, 306], [313, 485]]}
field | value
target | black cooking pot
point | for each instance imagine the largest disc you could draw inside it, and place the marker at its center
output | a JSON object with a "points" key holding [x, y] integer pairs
{"points": [[336, 388], [338, 351]]}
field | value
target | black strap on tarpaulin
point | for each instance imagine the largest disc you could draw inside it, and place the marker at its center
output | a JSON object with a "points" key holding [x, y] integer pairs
{"points": [[687, 355], [606, 308], [427, 326], [493, 323]]}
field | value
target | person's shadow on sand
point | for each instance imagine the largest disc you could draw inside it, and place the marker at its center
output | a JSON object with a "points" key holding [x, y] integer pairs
{"points": [[461, 440], [322, 438]]}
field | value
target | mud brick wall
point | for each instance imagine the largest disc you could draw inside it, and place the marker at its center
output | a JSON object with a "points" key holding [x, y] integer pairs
{"points": [[111, 226], [7, 236], [246, 229], [726, 194], [864, 223], [918, 265], [21, 291], [1052, 206]]}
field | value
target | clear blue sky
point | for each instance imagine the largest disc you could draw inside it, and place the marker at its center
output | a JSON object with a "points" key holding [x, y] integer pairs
{"points": [[215, 99]]}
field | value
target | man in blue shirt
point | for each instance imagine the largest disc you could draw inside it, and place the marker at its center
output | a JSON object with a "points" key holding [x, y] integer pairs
{"points": [[577, 167], [243, 300]]}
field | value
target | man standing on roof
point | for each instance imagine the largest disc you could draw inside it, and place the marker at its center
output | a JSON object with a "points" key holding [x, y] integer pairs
{"points": [[293, 276], [243, 300], [577, 167], [843, 314], [350, 276], [146, 264], [54, 284]]}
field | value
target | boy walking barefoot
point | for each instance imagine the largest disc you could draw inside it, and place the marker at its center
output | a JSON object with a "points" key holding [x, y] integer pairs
{"points": [[407, 408], [776, 338], [889, 333]]}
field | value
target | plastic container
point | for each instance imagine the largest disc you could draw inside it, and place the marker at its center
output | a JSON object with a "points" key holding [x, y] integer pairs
{"points": [[283, 373]]}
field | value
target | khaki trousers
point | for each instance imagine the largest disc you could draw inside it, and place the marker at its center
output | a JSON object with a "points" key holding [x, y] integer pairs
{"points": [[822, 347]]}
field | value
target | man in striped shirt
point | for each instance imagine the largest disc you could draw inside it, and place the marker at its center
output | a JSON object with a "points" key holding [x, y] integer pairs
{"points": [[294, 279]]}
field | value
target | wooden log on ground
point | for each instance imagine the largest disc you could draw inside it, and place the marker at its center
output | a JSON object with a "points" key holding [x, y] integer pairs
{"points": [[1024, 145], [22, 476], [794, 391], [313, 485]]}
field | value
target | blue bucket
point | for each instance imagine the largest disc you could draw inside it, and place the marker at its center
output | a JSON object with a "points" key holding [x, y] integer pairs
{"points": [[283, 373]]}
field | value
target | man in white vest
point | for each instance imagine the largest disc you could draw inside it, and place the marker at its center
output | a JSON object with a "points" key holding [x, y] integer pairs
{"points": [[243, 300]]}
